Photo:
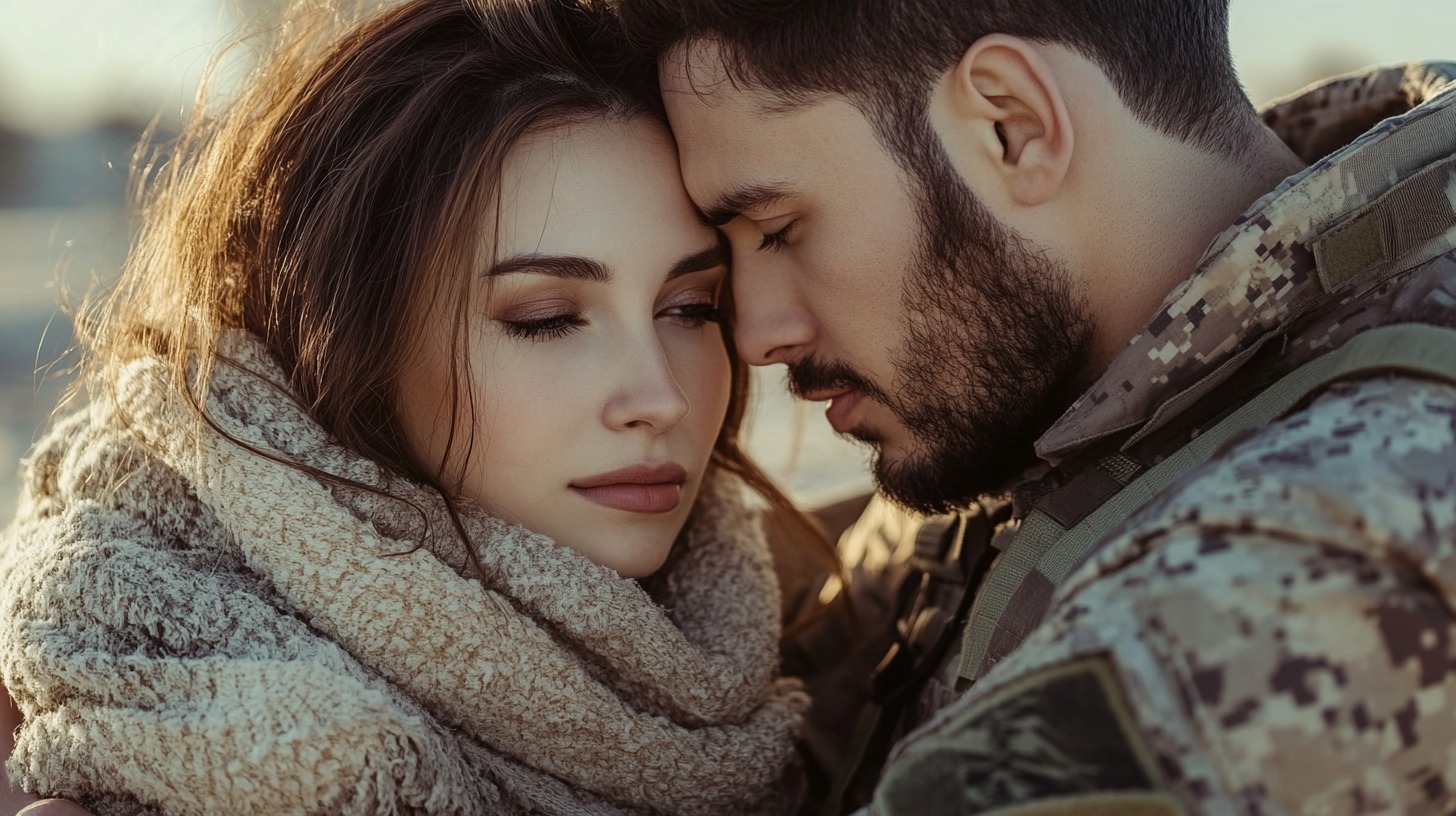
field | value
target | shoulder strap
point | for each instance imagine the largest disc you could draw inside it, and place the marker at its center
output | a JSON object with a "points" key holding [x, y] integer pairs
{"points": [[1049, 552]]}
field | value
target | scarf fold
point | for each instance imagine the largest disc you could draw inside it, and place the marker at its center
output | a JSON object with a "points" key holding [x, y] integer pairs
{"points": [[265, 640]]}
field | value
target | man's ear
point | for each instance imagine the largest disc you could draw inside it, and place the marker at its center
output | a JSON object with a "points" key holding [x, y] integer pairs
{"points": [[1004, 95]]}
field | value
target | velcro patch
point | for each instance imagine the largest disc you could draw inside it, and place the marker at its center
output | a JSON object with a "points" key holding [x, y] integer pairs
{"points": [[1059, 741]]}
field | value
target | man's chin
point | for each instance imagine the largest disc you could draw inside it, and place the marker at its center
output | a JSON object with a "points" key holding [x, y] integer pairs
{"points": [[920, 483], [942, 479]]}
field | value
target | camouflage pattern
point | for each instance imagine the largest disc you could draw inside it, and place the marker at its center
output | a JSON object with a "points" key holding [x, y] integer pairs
{"points": [[1282, 633], [1274, 634], [1259, 275]]}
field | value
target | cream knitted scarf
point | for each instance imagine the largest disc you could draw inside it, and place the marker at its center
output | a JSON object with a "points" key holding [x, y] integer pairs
{"points": [[190, 627]]}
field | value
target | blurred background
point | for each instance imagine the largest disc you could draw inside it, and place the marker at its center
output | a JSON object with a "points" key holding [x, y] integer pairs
{"points": [[80, 79]]}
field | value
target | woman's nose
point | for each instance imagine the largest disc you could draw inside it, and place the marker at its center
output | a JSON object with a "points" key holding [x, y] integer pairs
{"points": [[647, 395]]}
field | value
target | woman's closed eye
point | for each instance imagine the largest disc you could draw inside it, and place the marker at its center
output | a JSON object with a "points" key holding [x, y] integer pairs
{"points": [[548, 321], [694, 309], [691, 313], [695, 314]]}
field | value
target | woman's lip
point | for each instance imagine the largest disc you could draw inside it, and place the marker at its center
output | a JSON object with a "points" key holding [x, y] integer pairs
{"points": [[662, 497], [661, 473], [644, 488], [840, 409]]}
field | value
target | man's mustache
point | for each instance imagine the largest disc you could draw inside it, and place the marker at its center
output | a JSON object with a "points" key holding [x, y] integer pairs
{"points": [[811, 375]]}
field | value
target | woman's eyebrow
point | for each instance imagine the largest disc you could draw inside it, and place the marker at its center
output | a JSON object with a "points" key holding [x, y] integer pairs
{"points": [[713, 256], [560, 266]]}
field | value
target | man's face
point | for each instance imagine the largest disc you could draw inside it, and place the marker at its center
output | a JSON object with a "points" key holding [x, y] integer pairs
{"points": [[938, 336]]}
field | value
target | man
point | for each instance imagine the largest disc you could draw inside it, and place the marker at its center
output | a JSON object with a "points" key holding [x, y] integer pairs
{"points": [[1181, 370]]}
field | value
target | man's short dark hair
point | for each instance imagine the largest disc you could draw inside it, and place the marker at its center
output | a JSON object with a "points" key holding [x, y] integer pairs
{"points": [[1168, 59]]}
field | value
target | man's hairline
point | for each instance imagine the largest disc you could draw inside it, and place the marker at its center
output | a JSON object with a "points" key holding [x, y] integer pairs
{"points": [[780, 104], [770, 102], [777, 103]]}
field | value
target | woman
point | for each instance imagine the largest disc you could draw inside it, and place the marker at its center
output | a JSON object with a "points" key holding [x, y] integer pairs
{"points": [[415, 366]]}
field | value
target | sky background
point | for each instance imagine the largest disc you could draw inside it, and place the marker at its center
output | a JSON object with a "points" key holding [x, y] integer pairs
{"points": [[63, 63]]}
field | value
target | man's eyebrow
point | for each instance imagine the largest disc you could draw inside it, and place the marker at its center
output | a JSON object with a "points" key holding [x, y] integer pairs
{"points": [[714, 256], [559, 266], [739, 200]]}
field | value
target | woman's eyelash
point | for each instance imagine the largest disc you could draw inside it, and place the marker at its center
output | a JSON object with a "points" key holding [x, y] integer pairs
{"points": [[543, 328], [697, 314], [557, 326]]}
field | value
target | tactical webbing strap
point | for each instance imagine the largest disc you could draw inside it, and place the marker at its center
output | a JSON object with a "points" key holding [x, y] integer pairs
{"points": [[1035, 542], [1047, 548], [949, 550]]}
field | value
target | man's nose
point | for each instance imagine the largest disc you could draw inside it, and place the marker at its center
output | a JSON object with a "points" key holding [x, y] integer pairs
{"points": [[772, 324]]}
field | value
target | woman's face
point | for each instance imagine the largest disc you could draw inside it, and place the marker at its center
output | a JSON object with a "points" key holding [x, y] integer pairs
{"points": [[598, 374]]}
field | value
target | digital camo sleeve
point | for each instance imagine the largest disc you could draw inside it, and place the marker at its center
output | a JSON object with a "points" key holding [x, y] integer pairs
{"points": [[1273, 635]]}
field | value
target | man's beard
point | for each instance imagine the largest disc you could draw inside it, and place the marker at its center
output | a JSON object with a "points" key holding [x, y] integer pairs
{"points": [[993, 345]]}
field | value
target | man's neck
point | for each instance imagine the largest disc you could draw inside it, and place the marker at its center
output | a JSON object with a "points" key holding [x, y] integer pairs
{"points": [[1170, 199]]}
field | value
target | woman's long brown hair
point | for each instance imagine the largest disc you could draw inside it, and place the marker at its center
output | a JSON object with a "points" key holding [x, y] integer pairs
{"points": [[341, 194]]}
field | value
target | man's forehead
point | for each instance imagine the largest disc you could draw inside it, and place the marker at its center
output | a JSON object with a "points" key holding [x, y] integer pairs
{"points": [[713, 118], [723, 144], [700, 72], [739, 143]]}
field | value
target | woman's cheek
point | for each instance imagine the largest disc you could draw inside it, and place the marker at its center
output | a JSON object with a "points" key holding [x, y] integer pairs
{"points": [[702, 370], [527, 402]]}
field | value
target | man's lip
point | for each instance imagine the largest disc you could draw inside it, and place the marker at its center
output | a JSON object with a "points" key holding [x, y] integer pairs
{"points": [[662, 473], [841, 410], [824, 394]]}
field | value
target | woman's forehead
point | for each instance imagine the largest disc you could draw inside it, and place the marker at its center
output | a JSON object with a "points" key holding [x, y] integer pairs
{"points": [[601, 188]]}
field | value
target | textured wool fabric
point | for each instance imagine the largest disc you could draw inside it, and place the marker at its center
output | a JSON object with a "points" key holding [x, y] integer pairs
{"points": [[192, 627]]}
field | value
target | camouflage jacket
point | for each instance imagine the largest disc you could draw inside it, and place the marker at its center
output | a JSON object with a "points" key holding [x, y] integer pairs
{"points": [[1276, 632]]}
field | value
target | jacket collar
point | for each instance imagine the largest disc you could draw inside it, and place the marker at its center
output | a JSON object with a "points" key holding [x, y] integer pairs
{"points": [[1262, 272]]}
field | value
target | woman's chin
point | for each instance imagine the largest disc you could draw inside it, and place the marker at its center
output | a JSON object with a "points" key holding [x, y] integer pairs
{"points": [[634, 544], [643, 568], [632, 553], [634, 558]]}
